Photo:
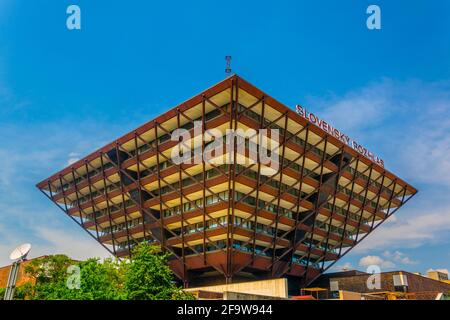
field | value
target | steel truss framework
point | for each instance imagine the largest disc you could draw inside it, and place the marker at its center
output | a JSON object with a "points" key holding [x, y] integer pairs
{"points": [[275, 260]]}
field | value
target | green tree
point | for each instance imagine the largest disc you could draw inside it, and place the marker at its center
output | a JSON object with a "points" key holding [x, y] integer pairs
{"points": [[49, 276], [23, 292], [97, 280], [20, 293], [148, 276], [101, 280]]}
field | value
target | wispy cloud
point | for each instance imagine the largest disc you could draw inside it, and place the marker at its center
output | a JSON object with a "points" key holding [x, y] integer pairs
{"points": [[27, 155], [399, 257], [73, 157], [9, 102], [406, 123], [409, 232], [59, 241], [55, 240], [357, 110]]}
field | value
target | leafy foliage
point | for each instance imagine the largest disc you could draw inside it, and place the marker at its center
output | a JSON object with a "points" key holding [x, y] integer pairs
{"points": [[149, 277], [20, 293], [101, 281], [49, 276], [146, 277]]}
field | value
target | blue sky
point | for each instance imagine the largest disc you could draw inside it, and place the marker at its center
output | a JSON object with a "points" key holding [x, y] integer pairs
{"points": [[65, 93]]}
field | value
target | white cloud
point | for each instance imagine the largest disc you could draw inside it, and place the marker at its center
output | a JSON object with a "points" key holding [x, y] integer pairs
{"points": [[33, 150], [53, 241], [408, 124], [399, 257], [357, 110], [392, 219], [409, 232], [370, 260], [73, 157], [72, 161], [59, 241], [27, 157], [376, 260], [10, 103]]}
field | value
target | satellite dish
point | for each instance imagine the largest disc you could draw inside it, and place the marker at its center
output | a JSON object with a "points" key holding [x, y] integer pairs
{"points": [[20, 252]]}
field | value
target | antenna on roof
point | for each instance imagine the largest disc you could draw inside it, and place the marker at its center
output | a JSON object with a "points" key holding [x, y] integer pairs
{"points": [[228, 66], [18, 255]]}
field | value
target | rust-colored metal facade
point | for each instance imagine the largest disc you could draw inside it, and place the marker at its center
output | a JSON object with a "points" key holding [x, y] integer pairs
{"points": [[230, 221]]}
